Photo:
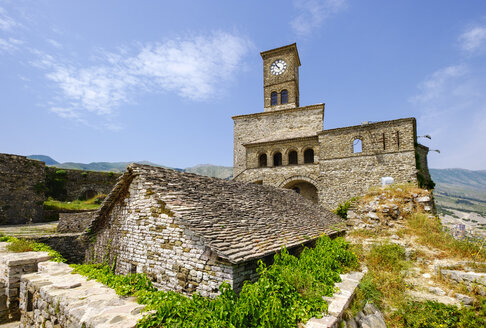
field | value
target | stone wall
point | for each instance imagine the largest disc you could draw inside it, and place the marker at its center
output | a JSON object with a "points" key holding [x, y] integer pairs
{"points": [[69, 245], [12, 267], [79, 184], [21, 199], [282, 124], [142, 236], [74, 222], [54, 297]]}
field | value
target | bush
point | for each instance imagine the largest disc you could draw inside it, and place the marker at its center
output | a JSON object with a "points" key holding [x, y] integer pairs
{"points": [[287, 292]]}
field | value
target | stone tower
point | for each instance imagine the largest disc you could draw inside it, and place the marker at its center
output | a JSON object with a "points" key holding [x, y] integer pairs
{"points": [[281, 78], [285, 145]]}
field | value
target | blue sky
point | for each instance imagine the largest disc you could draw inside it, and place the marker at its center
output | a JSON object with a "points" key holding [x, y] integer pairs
{"points": [[89, 81]]}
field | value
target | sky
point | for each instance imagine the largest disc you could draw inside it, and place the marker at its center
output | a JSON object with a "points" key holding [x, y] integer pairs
{"points": [[118, 80]]}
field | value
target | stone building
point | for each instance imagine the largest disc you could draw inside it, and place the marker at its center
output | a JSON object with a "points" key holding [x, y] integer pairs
{"points": [[286, 146], [189, 233]]}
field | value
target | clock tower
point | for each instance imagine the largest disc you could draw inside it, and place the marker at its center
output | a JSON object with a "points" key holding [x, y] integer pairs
{"points": [[281, 78]]}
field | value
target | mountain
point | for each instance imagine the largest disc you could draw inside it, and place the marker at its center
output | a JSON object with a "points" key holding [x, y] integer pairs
{"points": [[43, 158], [460, 190], [222, 172]]}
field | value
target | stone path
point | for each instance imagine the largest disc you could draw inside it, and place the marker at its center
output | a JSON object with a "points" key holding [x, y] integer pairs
{"points": [[29, 229], [10, 325]]}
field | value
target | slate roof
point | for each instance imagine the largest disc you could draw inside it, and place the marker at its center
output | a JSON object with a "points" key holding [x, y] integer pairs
{"points": [[239, 221]]}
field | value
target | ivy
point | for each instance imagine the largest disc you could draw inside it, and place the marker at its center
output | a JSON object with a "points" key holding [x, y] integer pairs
{"points": [[287, 292]]}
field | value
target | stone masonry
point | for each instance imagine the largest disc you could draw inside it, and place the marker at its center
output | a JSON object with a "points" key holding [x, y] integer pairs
{"points": [[54, 297], [20, 199], [189, 233], [12, 267], [286, 146]]}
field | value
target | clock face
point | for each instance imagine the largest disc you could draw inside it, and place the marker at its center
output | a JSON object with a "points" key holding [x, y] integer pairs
{"points": [[278, 67]]}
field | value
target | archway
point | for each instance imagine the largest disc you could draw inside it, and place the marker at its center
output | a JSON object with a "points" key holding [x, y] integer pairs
{"points": [[304, 186], [88, 194]]}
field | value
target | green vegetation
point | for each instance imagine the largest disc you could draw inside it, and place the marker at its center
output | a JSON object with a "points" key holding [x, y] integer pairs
{"points": [[56, 184], [23, 245], [90, 204], [430, 233], [342, 209], [287, 292], [431, 314]]}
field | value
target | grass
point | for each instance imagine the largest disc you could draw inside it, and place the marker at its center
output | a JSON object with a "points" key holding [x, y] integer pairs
{"points": [[17, 245], [430, 232], [90, 204]]}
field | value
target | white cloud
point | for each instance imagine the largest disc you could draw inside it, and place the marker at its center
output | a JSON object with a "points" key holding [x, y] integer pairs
{"points": [[433, 86], [54, 43], [6, 23], [473, 40], [196, 68], [451, 107], [9, 44], [313, 13]]}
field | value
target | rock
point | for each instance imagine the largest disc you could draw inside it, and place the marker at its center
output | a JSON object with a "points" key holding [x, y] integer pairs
{"points": [[351, 323], [423, 199], [466, 300], [436, 291], [427, 276], [373, 321], [373, 215], [369, 308]]}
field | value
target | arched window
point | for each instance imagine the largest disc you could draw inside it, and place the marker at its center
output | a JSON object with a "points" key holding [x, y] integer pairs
{"points": [[274, 98], [309, 156], [284, 97], [277, 159], [293, 157], [262, 160], [357, 145]]}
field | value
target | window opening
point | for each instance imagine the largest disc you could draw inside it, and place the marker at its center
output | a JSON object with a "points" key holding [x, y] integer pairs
{"points": [[398, 140], [296, 189], [384, 142], [357, 145], [309, 156], [293, 159], [284, 97], [262, 160], [274, 99], [277, 159]]}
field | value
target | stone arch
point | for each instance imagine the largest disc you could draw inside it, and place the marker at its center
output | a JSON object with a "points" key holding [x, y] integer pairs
{"points": [[287, 152], [273, 156], [88, 194], [262, 160], [303, 185], [357, 145], [309, 155]]}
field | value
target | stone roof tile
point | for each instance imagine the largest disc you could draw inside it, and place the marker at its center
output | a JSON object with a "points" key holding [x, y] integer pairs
{"points": [[239, 221]]}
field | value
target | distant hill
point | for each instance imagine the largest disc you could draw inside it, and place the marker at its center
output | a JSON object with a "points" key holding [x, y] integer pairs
{"points": [[460, 177], [460, 189], [222, 172], [46, 159]]}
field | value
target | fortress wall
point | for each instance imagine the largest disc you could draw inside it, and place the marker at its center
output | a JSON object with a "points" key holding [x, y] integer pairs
{"points": [[297, 122], [21, 195], [79, 183], [343, 178], [377, 138]]}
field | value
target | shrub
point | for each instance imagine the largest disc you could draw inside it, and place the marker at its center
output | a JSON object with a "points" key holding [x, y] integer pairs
{"points": [[287, 292], [22, 245]]}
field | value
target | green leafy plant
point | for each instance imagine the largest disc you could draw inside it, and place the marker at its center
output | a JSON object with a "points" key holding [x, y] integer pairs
{"points": [[23, 245], [342, 209], [287, 292]]}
